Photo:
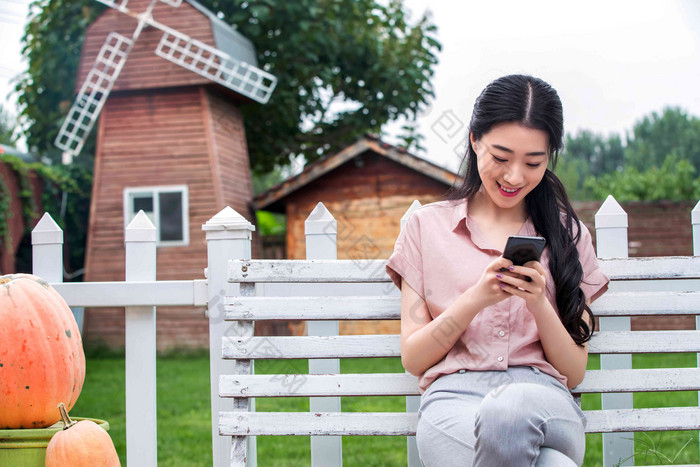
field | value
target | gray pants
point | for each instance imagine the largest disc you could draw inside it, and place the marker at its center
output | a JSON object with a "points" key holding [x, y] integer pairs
{"points": [[513, 418]]}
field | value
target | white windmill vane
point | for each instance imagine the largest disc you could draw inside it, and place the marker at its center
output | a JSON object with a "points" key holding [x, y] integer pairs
{"points": [[174, 46]]}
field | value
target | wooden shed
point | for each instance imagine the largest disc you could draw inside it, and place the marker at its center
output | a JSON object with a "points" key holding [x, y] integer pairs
{"points": [[367, 187], [172, 143]]}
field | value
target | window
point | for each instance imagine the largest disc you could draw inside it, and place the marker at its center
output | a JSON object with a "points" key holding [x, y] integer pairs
{"points": [[166, 207]]}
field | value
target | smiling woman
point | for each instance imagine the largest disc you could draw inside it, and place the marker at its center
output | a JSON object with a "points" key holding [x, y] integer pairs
{"points": [[511, 173], [495, 353]]}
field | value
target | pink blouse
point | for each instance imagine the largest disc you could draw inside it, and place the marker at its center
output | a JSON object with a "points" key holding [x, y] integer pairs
{"points": [[440, 253]]}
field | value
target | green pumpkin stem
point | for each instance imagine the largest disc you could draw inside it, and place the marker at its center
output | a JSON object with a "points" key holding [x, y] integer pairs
{"points": [[64, 415]]}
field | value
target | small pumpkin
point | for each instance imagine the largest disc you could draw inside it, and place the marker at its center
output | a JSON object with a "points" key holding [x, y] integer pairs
{"points": [[79, 444], [41, 353]]}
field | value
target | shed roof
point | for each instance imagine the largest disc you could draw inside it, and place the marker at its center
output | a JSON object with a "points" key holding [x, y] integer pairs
{"points": [[272, 199]]}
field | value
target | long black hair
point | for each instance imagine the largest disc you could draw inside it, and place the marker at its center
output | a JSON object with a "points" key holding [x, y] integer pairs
{"points": [[535, 104]]}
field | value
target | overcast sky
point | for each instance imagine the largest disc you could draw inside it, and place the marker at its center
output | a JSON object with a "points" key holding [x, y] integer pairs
{"points": [[611, 61]]}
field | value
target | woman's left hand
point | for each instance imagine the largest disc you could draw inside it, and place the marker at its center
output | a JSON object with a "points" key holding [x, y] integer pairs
{"points": [[514, 281]]}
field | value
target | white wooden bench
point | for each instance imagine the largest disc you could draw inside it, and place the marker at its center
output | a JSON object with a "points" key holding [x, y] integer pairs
{"points": [[243, 309]]}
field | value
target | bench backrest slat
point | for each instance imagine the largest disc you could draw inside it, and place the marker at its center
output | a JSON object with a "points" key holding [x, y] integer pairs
{"points": [[271, 347], [623, 342], [318, 424], [296, 271], [404, 384], [312, 347], [642, 380], [342, 271], [388, 307], [624, 420], [395, 424], [313, 308], [301, 385]]}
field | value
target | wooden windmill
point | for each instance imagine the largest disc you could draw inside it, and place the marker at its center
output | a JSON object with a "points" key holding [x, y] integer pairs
{"points": [[175, 46], [170, 141]]}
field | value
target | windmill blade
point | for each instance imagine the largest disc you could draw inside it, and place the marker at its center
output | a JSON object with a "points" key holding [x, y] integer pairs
{"points": [[93, 94], [217, 66], [121, 4]]}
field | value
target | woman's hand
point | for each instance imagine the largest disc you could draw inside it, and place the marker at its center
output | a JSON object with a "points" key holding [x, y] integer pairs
{"points": [[515, 281], [488, 291]]}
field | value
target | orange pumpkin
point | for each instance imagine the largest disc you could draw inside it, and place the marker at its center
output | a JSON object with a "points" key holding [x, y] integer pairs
{"points": [[79, 444], [41, 353]]}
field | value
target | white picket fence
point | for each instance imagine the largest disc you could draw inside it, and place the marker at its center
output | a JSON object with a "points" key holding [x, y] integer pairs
{"points": [[228, 236]]}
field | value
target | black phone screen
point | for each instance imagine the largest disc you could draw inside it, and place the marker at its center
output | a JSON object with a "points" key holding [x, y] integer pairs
{"points": [[521, 249]]}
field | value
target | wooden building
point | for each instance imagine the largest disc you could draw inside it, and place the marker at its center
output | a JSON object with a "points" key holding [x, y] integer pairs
{"points": [[172, 143], [367, 187], [17, 223]]}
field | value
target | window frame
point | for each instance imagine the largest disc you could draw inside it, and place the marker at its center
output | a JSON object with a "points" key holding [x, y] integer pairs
{"points": [[129, 194]]}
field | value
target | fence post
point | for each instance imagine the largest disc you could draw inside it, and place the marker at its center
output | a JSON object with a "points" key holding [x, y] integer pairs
{"points": [[47, 250], [140, 348], [229, 236], [611, 238], [412, 402], [321, 231], [695, 219]]}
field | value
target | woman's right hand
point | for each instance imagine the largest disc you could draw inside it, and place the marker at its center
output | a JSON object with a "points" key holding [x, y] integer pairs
{"points": [[425, 340], [489, 290]]}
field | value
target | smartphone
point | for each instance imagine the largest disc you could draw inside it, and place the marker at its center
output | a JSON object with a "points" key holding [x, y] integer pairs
{"points": [[520, 249]]}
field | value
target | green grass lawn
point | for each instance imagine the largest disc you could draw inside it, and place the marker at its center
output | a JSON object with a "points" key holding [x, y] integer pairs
{"points": [[184, 423]]}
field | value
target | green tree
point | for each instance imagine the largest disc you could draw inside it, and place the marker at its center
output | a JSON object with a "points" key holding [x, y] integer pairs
{"points": [[269, 223], [674, 181], [601, 154], [573, 174], [344, 67], [656, 136], [7, 128], [51, 44]]}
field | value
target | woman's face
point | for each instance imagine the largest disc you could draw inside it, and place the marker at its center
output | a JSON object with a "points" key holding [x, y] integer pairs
{"points": [[512, 160]]}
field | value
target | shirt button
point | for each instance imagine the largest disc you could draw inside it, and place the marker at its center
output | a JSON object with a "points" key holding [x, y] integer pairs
{"points": [[501, 333], [500, 359]]}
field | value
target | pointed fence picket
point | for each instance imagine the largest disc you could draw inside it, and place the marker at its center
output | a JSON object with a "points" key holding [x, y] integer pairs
{"points": [[611, 239], [228, 237], [321, 231], [140, 346]]}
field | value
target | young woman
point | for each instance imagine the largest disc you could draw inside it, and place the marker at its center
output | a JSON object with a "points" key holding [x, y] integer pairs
{"points": [[496, 346]]}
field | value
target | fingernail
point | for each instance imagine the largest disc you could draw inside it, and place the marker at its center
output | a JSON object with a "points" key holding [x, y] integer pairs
{"points": [[502, 285], [499, 276], [511, 267]]}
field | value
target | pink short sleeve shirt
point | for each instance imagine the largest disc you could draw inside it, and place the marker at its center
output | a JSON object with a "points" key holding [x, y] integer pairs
{"points": [[440, 253]]}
